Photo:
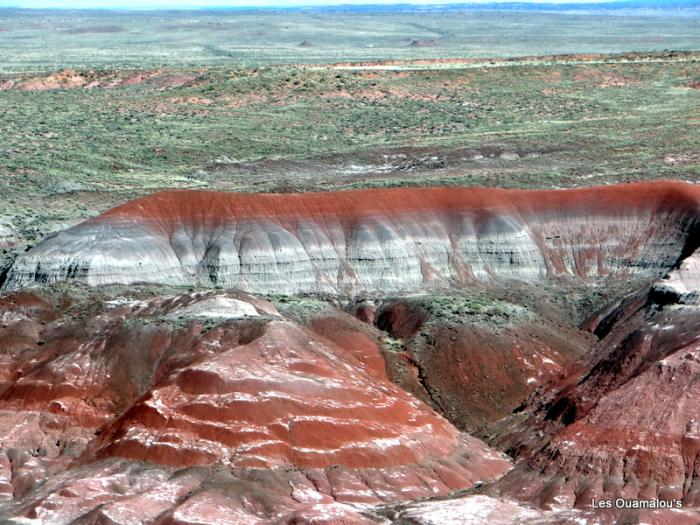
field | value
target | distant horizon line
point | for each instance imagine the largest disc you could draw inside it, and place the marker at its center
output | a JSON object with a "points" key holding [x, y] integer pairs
{"points": [[419, 4]]}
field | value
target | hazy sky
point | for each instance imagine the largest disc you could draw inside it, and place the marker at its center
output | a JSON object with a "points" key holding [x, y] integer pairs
{"points": [[155, 4]]}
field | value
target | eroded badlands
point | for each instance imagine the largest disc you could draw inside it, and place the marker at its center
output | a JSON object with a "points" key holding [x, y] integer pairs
{"points": [[372, 240], [489, 356]]}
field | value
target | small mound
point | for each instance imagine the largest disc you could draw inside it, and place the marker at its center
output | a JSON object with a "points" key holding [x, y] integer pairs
{"points": [[423, 42], [217, 308]]}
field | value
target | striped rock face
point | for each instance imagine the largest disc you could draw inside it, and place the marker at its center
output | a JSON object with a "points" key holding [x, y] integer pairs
{"points": [[372, 240], [214, 406], [287, 398], [626, 424], [254, 420]]}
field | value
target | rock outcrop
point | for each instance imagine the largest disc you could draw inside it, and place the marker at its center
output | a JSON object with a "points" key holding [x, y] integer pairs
{"points": [[7, 236], [625, 423], [371, 240], [682, 284], [167, 409], [286, 399], [143, 404]]}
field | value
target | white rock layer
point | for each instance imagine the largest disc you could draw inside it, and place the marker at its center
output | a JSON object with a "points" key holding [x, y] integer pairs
{"points": [[389, 252]]}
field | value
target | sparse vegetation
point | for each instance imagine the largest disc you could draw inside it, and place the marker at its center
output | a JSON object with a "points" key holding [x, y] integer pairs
{"points": [[470, 306], [49, 40], [392, 344], [299, 309], [86, 131], [515, 124]]}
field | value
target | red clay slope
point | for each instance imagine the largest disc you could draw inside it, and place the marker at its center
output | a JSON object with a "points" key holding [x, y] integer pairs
{"points": [[196, 205], [372, 240], [100, 383]]}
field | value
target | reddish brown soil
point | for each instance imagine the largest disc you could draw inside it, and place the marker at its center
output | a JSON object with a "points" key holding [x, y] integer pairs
{"points": [[623, 423], [72, 79], [206, 206], [266, 403], [357, 342], [476, 374]]}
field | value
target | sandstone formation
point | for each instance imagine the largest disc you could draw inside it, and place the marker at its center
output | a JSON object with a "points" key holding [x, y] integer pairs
{"points": [[372, 240]]}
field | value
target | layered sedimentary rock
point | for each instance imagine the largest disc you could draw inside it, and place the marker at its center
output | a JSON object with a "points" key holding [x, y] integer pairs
{"points": [[285, 399], [476, 358], [129, 405], [81, 370], [371, 240], [682, 284], [208, 406], [625, 423]]}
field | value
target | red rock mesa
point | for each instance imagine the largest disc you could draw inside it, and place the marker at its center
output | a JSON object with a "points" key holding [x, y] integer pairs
{"points": [[372, 240]]}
